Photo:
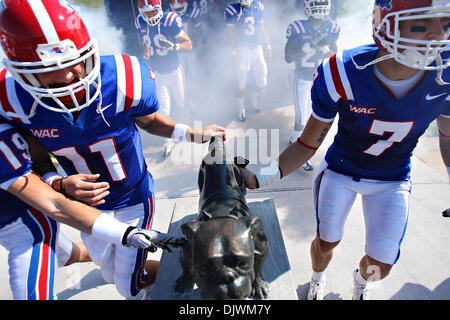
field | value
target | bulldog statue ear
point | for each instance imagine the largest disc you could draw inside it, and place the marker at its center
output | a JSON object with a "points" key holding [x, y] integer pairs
{"points": [[189, 228]]}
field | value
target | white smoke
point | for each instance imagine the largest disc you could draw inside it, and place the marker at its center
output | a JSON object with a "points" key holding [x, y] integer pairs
{"points": [[109, 38]]}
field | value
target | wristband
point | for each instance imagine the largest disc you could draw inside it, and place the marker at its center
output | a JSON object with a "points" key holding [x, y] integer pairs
{"points": [[179, 132], [49, 177], [268, 174], [107, 228]]}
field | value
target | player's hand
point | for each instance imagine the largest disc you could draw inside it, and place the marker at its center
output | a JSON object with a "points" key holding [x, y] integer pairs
{"points": [[151, 239], [169, 45], [206, 133], [84, 188], [307, 48], [249, 178]]}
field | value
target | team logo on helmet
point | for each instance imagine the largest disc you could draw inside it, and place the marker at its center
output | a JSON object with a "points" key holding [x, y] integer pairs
{"points": [[384, 4]]}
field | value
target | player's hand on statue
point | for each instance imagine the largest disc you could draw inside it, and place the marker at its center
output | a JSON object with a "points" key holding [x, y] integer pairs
{"points": [[85, 188], [205, 134], [151, 239]]}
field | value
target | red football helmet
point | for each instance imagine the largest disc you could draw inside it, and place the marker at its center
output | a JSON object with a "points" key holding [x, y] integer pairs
{"points": [[317, 9], [179, 6], [418, 54], [151, 11], [44, 36]]}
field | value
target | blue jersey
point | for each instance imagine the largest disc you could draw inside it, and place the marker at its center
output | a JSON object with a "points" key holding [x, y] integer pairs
{"points": [[169, 28], [303, 32], [90, 145], [247, 23], [14, 162], [191, 20], [376, 132]]}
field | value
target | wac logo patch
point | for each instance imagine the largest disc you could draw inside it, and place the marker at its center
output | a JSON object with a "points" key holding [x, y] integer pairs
{"points": [[384, 4]]}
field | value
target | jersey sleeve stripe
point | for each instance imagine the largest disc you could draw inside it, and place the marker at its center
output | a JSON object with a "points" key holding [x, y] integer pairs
{"points": [[321, 118], [129, 82], [299, 27], [137, 81], [5, 83], [343, 74], [336, 79], [170, 19], [329, 81], [121, 83], [195, 13], [232, 11]]}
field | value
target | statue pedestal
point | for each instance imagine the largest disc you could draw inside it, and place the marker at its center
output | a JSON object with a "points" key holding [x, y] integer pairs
{"points": [[276, 269]]}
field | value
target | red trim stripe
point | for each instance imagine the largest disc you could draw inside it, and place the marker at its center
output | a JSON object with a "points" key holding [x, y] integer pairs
{"points": [[129, 82], [337, 78], [151, 212], [299, 26], [4, 95], [45, 255]]}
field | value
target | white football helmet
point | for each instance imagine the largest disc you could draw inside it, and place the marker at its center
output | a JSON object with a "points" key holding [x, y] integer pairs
{"points": [[317, 9], [418, 54], [179, 6], [151, 11], [245, 2]]}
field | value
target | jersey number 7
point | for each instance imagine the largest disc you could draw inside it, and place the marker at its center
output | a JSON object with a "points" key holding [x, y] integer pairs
{"points": [[399, 132]]}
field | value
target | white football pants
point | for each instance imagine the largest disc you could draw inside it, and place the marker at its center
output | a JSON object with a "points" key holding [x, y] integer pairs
{"points": [[385, 207]]}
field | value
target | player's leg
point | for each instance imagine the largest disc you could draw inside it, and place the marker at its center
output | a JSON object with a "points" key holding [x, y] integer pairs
{"points": [[130, 274], [333, 199], [31, 242], [386, 209], [242, 70], [259, 71], [302, 107]]}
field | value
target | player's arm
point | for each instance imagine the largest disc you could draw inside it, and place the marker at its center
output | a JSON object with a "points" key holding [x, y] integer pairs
{"points": [[184, 41], [292, 158], [31, 189], [82, 187], [160, 125], [292, 50], [266, 43], [444, 140]]}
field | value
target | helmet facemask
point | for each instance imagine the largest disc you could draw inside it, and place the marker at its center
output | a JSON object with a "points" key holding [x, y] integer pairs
{"points": [[179, 8], [154, 19], [417, 54], [318, 9]]}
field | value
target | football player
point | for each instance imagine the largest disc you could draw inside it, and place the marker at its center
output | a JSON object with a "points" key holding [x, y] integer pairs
{"points": [[385, 94], [308, 43], [29, 224], [162, 37], [247, 36], [85, 110], [192, 26]]}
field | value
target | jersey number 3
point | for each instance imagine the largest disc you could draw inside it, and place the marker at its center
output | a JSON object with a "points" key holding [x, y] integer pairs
{"points": [[399, 132]]}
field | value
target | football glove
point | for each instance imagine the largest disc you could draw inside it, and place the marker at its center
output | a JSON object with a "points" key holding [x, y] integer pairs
{"points": [[169, 45], [150, 239]]}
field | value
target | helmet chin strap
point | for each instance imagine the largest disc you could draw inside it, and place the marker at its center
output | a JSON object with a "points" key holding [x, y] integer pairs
{"points": [[411, 56]]}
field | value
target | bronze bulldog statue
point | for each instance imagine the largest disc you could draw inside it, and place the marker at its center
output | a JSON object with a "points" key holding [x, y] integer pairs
{"points": [[225, 246]]}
